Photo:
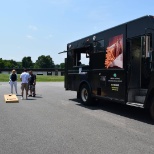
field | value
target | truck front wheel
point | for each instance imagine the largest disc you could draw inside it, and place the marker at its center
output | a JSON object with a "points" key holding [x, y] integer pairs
{"points": [[85, 95], [152, 109]]}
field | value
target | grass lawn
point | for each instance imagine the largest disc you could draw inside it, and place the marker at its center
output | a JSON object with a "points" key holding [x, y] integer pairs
{"points": [[39, 78]]}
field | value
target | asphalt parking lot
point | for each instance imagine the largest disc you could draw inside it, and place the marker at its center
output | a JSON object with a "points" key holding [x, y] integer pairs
{"points": [[54, 122]]}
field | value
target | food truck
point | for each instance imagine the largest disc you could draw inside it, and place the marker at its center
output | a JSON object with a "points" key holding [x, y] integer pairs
{"points": [[116, 64]]}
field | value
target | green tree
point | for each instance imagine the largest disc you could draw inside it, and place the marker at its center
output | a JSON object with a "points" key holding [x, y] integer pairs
{"points": [[57, 66], [10, 64], [1, 63], [7, 64], [44, 62], [62, 65], [19, 64], [27, 62], [13, 64]]}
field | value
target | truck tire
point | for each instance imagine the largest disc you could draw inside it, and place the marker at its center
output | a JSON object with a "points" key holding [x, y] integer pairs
{"points": [[152, 109], [85, 95]]}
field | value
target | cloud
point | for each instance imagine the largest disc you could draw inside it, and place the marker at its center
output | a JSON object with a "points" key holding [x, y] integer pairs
{"points": [[30, 37], [33, 28]]}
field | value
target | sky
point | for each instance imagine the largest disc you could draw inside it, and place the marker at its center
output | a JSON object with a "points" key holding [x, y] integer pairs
{"points": [[45, 27]]}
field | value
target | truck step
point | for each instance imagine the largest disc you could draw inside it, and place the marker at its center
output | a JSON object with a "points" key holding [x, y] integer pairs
{"points": [[140, 99], [141, 105]]}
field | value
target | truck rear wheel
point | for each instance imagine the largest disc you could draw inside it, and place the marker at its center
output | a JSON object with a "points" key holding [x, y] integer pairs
{"points": [[152, 109], [85, 95]]}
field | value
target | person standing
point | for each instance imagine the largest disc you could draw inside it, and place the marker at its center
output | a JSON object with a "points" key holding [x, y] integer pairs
{"points": [[24, 77], [32, 83], [13, 81]]}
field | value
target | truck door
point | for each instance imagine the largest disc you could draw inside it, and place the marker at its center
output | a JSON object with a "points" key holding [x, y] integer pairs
{"points": [[138, 68], [134, 63]]}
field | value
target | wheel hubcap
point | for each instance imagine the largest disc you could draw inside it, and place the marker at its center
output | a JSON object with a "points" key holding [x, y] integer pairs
{"points": [[84, 94]]}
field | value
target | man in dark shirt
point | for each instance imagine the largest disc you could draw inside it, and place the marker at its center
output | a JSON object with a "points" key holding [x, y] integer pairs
{"points": [[32, 83]]}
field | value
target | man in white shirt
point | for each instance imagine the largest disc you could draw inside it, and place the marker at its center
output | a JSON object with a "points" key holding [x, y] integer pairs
{"points": [[24, 77]]}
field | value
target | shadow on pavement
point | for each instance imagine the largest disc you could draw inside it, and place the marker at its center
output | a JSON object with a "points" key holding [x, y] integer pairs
{"points": [[36, 96], [135, 113]]}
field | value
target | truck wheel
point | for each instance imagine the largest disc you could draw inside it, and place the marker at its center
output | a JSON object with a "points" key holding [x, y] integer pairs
{"points": [[152, 109], [85, 95]]}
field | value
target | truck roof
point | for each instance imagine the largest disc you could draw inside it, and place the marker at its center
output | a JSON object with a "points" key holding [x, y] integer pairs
{"points": [[149, 18]]}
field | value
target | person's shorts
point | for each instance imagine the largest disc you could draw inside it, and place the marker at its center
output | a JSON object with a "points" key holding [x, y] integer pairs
{"points": [[24, 86], [32, 87]]}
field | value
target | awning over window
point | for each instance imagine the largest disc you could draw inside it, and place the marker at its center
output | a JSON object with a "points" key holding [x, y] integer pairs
{"points": [[62, 52], [84, 47]]}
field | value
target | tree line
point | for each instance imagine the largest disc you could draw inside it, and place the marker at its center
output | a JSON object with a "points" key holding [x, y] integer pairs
{"points": [[42, 62]]}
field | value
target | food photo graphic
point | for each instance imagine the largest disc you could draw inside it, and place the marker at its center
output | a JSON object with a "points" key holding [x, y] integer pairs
{"points": [[114, 52]]}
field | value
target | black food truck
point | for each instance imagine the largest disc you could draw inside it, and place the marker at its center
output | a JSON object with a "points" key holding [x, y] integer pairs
{"points": [[116, 64]]}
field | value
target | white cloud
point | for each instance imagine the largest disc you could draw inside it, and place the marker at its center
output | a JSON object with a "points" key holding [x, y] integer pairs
{"points": [[50, 36], [32, 27], [30, 37]]}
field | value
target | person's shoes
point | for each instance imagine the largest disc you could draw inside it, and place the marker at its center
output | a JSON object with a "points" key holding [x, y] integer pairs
{"points": [[34, 95], [29, 95]]}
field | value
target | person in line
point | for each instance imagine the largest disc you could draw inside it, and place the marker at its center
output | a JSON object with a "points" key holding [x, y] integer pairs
{"points": [[13, 81], [32, 83], [24, 77]]}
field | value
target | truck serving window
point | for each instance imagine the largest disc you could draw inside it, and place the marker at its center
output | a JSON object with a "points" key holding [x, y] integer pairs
{"points": [[81, 57]]}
